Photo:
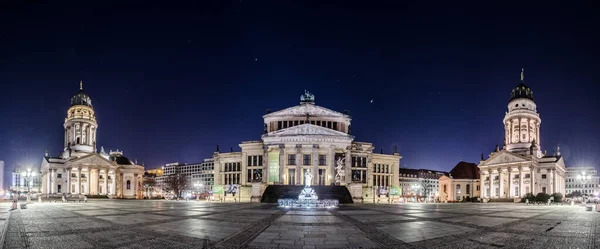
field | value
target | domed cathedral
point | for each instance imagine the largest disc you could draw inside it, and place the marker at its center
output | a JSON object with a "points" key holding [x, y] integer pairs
{"points": [[520, 167], [308, 138], [80, 169]]}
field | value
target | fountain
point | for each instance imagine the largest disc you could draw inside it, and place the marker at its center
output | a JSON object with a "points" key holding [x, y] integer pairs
{"points": [[308, 197]]}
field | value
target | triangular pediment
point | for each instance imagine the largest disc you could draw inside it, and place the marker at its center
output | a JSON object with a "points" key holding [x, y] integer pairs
{"points": [[91, 159], [303, 109], [504, 157], [307, 129]]}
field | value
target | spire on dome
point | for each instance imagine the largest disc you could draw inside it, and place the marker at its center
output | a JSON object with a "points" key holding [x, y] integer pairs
{"points": [[81, 85], [522, 74]]}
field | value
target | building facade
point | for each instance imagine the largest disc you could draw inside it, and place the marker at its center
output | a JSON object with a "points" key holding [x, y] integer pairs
{"points": [[307, 138], [25, 181], [420, 184], [463, 181], [2, 187], [80, 169], [584, 180], [200, 176], [520, 167]]}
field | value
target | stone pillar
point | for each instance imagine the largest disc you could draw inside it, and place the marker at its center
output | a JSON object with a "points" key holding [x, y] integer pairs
{"points": [[105, 189], [521, 189], [282, 168], [78, 180], [315, 167], [266, 164], [68, 187], [491, 184], [330, 178], [532, 175], [53, 184], [347, 170], [552, 182], [89, 181], [298, 163], [482, 184], [48, 181], [244, 169], [135, 186], [510, 190], [501, 179], [114, 183]]}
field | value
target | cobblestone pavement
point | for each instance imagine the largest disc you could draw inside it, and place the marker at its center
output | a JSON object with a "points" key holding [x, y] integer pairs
{"points": [[172, 224]]}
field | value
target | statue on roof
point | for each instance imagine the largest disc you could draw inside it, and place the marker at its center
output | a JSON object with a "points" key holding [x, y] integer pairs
{"points": [[307, 97]]}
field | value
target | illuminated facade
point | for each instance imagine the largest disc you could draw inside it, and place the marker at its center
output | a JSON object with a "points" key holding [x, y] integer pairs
{"points": [[520, 167], [80, 170], [584, 180], [307, 137]]}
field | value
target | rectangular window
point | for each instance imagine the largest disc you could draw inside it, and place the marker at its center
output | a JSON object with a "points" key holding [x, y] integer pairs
{"points": [[527, 176], [322, 160], [301, 122], [58, 175], [544, 190], [59, 188], [296, 123], [306, 159], [324, 123], [364, 162], [249, 160], [544, 177], [279, 125], [82, 175], [285, 124], [329, 124], [353, 161], [260, 160], [477, 187], [335, 126], [291, 159], [312, 122], [254, 160]]}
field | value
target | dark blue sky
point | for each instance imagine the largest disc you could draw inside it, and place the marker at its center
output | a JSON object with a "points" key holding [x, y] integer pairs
{"points": [[168, 83]]}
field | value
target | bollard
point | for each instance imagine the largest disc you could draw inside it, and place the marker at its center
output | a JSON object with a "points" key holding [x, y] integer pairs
{"points": [[14, 206]]}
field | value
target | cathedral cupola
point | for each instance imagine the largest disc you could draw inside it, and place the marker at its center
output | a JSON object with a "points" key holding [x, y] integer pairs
{"points": [[80, 126], [80, 98], [522, 122], [521, 91]]}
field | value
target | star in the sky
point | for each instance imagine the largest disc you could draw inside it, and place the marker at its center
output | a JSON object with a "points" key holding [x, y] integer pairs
{"points": [[255, 59]]}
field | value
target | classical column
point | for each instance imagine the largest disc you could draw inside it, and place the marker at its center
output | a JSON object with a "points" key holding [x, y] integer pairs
{"points": [[282, 168], [114, 183], [68, 187], [298, 163], [78, 180], [266, 164], [53, 183], [532, 177], [89, 179], [331, 171], [553, 182], [105, 176], [521, 190], [134, 187], [491, 184], [482, 184], [510, 190], [347, 169], [315, 168], [501, 178], [48, 181]]}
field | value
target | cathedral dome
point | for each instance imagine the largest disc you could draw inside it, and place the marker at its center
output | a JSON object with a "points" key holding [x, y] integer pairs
{"points": [[521, 91], [80, 98], [121, 160]]}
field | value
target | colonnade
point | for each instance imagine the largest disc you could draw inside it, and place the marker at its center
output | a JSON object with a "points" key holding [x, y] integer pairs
{"points": [[81, 180]]}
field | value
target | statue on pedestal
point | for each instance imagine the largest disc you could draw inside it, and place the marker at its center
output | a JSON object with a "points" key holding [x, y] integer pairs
{"points": [[307, 178]]}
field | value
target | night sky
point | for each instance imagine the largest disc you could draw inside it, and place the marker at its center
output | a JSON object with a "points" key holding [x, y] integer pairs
{"points": [[169, 83]]}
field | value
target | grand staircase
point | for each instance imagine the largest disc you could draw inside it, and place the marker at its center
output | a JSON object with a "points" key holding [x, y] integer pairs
{"points": [[275, 192]]}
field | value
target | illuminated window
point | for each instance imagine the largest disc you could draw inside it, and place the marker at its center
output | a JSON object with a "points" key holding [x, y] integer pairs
{"points": [[128, 184]]}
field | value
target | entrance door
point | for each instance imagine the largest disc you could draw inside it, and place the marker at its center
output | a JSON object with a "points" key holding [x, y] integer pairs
{"points": [[292, 177], [322, 177]]}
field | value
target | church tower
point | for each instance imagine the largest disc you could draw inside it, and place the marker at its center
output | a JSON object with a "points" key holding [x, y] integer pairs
{"points": [[522, 122], [80, 126]]}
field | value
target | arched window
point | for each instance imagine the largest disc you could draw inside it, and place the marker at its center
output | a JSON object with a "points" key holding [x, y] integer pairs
{"points": [[457, 189], [128, 184]]}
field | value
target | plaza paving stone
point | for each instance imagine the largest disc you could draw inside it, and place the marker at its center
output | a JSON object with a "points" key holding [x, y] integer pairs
{"points": [[192, 224]]}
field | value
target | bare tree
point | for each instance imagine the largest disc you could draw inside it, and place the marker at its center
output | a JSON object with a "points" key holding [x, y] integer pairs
{"points": [[176, 183]]}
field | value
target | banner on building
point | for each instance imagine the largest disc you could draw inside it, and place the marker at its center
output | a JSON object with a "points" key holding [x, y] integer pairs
{"points": [[274, 166], [394, 191], [232, 189], [217, 189]]}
